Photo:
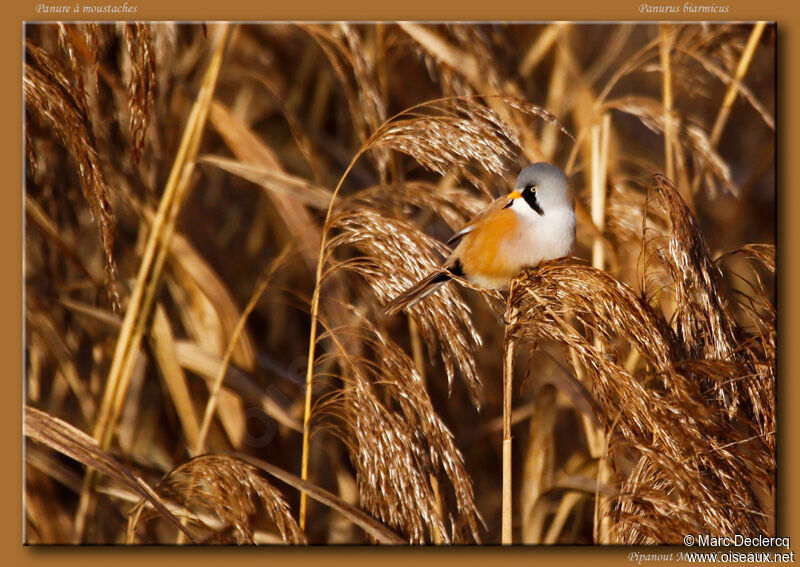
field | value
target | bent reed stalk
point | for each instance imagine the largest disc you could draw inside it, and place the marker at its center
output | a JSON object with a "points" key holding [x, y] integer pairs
{"points": [[312, 339]]}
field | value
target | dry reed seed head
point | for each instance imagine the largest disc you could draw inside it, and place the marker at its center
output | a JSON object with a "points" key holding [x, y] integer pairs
{"points": [[58, 75], [140, 68], [756, 347], [458, 135], [393, 255], [659, 503], [756, 301], [93, 37], [369, 96], [164, 44], [68, 47], [475, 41], [58, 109], [399, 445], [647, 510], [764, 253], [627, 218], [703, 321], [604, 306], [223, 500], [667, 414]]}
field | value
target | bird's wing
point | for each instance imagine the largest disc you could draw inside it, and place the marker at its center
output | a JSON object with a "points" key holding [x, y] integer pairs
{"points": [[494, 206]]}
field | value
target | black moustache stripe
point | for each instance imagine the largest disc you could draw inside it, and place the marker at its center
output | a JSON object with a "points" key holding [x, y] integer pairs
{"points": [[530, 198]]}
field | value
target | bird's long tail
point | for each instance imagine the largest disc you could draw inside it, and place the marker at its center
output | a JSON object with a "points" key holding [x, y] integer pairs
{"points": [[417, 292]]}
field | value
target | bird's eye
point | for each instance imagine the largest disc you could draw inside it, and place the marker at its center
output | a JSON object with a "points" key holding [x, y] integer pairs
{"points": [[531, 188]]}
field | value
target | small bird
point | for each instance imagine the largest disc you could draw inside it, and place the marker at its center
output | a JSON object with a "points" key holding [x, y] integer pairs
{"points": [[533, 223]]}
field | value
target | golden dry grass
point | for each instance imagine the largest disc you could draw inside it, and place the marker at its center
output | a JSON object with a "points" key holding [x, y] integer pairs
{"points": [[218, 214]]}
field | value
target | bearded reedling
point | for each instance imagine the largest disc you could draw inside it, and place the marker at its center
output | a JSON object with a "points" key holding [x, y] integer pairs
{"points": [[533, 223]]}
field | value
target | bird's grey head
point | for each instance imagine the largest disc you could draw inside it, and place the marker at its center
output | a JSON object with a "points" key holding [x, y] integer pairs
{"points": [[543, 187]]}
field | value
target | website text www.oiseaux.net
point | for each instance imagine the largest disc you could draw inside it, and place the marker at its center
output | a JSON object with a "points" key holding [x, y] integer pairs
{"points": [[759, 550]]}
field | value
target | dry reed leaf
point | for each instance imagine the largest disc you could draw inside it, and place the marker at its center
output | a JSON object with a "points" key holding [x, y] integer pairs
{"points": [[280, 98], [64, 438], [62, 241], [539, 48], [209, 316], [46, 521], [173, 376], [250, 149], [727, 78], [371, 526], [275, 180], [206, 365], [228, 490], [453, 57], [217, 312], [216, 385], [42, 324], [566, 507]]}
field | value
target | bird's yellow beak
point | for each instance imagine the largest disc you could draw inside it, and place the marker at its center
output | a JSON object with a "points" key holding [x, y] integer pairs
{"points": [[514, 195]]}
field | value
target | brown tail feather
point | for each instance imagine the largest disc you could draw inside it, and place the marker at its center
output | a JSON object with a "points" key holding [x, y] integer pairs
{"points": [[416, 292]]}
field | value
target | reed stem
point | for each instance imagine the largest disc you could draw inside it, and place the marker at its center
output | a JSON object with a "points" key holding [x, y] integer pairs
{"points": [[508, 382], [666, 69], [312, 340]]}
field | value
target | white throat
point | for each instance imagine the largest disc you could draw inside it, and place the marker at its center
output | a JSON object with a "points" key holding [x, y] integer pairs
{"points": [[543, 237]]}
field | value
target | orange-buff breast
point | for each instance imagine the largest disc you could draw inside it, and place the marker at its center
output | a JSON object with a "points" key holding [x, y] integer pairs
{"points": [[483, 251]]}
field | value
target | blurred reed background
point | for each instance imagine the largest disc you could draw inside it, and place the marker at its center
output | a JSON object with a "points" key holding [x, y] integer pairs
{"points": [[185, 258]]}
